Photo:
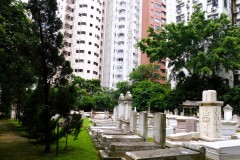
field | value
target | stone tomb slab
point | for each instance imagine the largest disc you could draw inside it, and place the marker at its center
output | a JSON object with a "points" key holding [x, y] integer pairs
{"points": [[102, 127], [163, 154], [133, 146], [118, 149], [122, 138], [223, 150], [183, 136], [100, 134], [96, 130]]}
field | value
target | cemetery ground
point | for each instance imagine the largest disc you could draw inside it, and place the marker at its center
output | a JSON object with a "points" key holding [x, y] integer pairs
{"points": [[14, 144]]}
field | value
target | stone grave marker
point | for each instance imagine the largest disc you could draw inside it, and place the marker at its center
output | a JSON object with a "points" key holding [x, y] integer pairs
{"points": [[143, 125], [210, 116]]}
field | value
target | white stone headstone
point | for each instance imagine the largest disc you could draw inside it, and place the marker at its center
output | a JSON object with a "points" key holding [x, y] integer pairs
{"points": [[235, 118], [133, 121], [143, 124], [227, 112], [176, 111], [211, 96], [210, 116]]}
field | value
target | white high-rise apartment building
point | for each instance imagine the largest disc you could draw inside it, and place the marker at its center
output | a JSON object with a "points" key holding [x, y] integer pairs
{"points": [[236, 11], [122, 31], [181, 10], [83, 33]]}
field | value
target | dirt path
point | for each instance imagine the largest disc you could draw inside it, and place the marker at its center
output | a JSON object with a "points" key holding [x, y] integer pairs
{"points": [[13, 143]]}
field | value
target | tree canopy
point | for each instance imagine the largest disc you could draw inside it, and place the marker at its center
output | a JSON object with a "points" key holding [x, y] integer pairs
{"points": [[200, 45], [144, 72]]}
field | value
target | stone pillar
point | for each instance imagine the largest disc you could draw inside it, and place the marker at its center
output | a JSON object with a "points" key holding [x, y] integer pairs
{"points": [[128, 106], [91, 114], [176, 111], [120, 111], [159, 130], [210, 116], [143, 124], [133, 121], [121, 107], [149, 110], [114, 116], [228, 113]]}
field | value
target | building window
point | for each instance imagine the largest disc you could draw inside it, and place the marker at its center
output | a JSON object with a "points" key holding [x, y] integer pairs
{"points": [[157, 20], [215, 3], [82, 41], [225, 3], [178, 18], [178, 8], [88, 61], [121, 26], [90, 43], [157, 6], [89, 52], [91, 16], [83, 32], [79, 51], [88, 71], [90, 34], [92, 7], [91, 25], [84, 14]]}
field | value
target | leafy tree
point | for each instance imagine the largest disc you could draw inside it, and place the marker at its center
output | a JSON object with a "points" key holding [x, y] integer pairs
{"points": [[71, 125], [89, 86], [200, 46], [146, 94], [17, 41], [51, 66], [144, 72], [232, 97], [104, 100], [122, 87]]}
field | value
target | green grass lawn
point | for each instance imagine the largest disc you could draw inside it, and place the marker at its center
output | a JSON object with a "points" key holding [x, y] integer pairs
{"points": [[14, 145]]}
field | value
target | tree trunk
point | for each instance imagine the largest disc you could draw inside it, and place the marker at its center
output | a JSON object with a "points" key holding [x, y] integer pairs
{"points": [[66, 141]]}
